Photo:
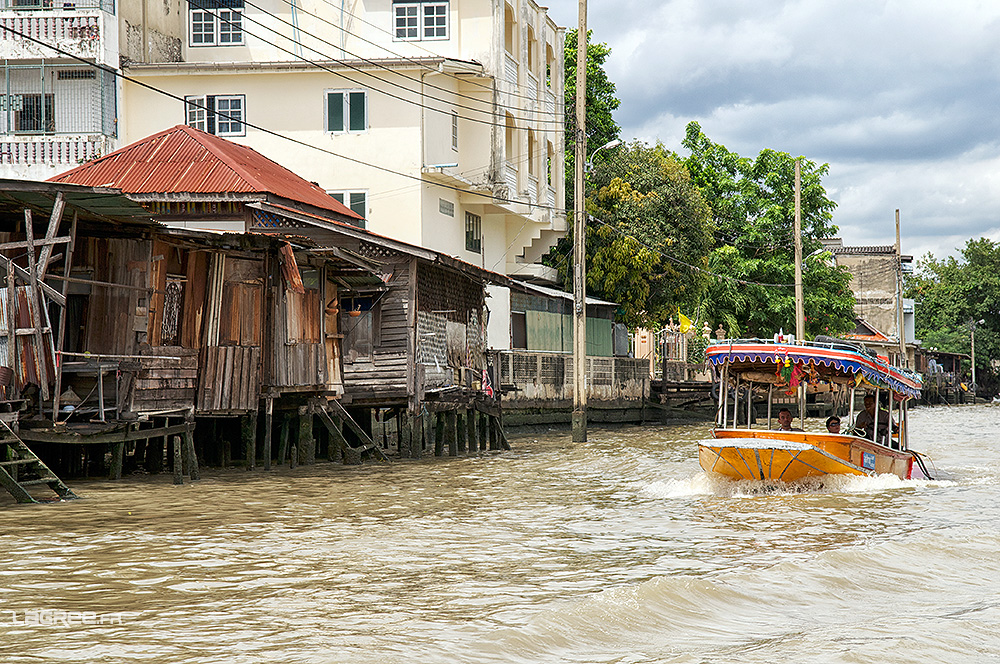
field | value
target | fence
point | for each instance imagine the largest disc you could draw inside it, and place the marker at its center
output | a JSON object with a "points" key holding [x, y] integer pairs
{"points": [[530, 376], [57, 99]]}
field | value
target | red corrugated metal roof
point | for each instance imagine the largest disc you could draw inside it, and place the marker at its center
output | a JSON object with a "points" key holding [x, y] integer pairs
{"points": [[185, 160]]}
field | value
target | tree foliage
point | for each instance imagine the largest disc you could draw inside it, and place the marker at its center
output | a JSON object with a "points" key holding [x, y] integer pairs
{"points": [[647, 223], [951, 294], [753, 208], [601, 103]]}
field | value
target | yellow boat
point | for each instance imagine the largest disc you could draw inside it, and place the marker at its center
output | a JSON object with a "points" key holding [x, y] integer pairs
{"points": [[752, 371]]}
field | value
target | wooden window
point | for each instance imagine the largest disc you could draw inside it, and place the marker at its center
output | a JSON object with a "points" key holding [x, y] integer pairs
{"points": [[240, 318]]}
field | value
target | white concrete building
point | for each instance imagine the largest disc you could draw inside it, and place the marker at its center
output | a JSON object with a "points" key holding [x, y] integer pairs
{"points": [[56, 109], [440, 121]]}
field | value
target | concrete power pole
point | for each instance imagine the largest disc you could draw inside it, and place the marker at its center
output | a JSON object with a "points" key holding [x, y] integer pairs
{"points": [[580, 238]]}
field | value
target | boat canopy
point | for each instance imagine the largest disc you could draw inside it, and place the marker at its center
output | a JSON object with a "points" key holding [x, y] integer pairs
{"points": [[831, 361]]}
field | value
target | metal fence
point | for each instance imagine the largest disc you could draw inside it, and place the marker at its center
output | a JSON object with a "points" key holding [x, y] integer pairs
{"points": [[41, 5], [50, 99], [531, 376]]}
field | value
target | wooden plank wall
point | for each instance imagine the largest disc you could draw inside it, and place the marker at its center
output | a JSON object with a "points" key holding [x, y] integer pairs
{"points": [[230, 379], [111, 314], [163, 384]]}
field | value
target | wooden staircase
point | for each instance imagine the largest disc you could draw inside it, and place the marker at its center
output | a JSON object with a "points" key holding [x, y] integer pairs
{"points": [[21, 471]]}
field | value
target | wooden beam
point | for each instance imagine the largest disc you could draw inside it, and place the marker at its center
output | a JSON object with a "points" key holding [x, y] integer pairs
{"points": [[54, 220], [34, 305], [21, 273]]}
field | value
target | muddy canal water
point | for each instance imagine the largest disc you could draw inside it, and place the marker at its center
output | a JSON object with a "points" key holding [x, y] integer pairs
{"points": [[618, 550]]}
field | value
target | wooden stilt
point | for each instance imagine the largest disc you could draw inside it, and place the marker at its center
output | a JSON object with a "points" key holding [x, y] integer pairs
{"points": [[439, 427], [178, 463], [293, 457], [306, 444], [249, 434], [117, 457], [192, 456], [451, 432], [417, 442], [283, 435], [463, 429], [268, 425], [473, 421], [484, 434]]}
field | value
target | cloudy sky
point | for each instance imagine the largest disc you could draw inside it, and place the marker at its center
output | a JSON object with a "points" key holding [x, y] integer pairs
{"points": [[900, 97]]}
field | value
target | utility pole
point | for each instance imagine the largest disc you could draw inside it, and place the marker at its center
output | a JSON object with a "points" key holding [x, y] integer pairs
{"points": [[903, 362], [800, 316], [580, 238]]}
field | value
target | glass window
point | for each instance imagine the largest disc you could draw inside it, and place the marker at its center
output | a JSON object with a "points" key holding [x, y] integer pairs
{"points": [[414, 21], [356, 200], [202, 28], [346, 111], [222, 115], [230, 27], [216, 23], [454, 131], [407, 17], [473, 232]]}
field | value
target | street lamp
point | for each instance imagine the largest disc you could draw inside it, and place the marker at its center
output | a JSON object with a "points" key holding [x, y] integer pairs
{"points": [[607, 146], [972, 344]]}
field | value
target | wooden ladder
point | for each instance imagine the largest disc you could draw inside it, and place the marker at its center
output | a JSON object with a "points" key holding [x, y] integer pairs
{"points": [[21, 469]]}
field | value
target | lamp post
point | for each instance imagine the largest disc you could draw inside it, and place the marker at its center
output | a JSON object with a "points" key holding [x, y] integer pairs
{"points": [[972, 344], [607, 146]]}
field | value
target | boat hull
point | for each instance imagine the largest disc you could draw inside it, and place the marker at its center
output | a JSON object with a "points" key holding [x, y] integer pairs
{"points": [[784, 456]]}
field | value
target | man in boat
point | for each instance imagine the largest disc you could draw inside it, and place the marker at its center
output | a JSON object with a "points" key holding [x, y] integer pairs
{"points": [[866, 420], [785, 420]]}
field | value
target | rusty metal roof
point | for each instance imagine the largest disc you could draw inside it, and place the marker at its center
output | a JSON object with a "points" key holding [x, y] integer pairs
{"points": [[185, 160]]}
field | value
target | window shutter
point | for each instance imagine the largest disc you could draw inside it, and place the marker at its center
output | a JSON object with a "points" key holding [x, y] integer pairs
{"points": [[356, 107], [335, 111]]}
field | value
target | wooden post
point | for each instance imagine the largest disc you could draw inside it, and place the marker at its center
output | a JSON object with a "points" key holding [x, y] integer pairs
{"points": [[117, 457], [439, 422], [293, 457], [484, 437], [473, 421], [35, 306], [451, 431], [306, 444], [268, 425], [192, 456], [405, 427], [12, 356], [494, 445], [417, 440], [178, 463], [248, 429], [461, 431], [286, 425]]}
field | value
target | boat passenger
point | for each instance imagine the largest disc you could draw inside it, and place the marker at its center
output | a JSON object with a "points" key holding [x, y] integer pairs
{"points": [[785, 420], [833, 424], [866, 421]]}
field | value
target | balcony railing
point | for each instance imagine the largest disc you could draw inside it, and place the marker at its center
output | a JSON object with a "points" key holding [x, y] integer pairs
{"points": [[550, 103], [45, 150], [550, 197], [510, 177], [51, 99], [510, 69], [46, 5], [532, 189]]}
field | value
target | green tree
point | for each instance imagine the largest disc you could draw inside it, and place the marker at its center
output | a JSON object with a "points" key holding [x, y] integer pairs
{"points": [[648, 225], [951, 294], [753, 207], [601, 103]]}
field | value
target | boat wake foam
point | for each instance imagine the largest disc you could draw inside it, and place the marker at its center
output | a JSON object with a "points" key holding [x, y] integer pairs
{"points": [[705, 484]]}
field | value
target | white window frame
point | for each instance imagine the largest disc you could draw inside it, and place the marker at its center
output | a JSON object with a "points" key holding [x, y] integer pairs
{"points": [[226, 26], [454, 131], [473, 232], [345, 196], [204, 115], [346, 115], [421, 21]]}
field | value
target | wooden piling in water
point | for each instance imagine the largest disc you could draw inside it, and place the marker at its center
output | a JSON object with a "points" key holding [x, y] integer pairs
{"points": [[192, 456], [248, 429], [473, 422], [439, 427], [268, 425], [178, 462], [483, 432], [462, 431], [306, 444], [451, 431], [117, 457], [293, 457]]}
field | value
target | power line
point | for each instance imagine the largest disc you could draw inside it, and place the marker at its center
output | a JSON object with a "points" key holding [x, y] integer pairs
{"points": [[270, 132], [417, 63], [347, 78]]}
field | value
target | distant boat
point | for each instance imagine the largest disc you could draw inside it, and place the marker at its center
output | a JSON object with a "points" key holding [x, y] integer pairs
{"points": [[756, 372]]}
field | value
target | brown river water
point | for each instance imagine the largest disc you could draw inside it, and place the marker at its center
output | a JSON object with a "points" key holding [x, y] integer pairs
{"points": [[619, 550]]}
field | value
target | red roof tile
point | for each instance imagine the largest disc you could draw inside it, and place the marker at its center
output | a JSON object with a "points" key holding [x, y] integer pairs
{"points": [[186, 160]]}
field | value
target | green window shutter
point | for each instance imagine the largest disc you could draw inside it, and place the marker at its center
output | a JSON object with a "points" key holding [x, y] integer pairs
{"points": [[335, 111], [357, 110], [358, 203]]}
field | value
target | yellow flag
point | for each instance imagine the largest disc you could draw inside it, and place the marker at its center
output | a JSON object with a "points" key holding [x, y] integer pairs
{"points": [[685, 322]]}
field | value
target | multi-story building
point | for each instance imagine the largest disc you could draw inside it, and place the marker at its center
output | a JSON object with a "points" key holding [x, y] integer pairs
{"points": [[56, 108], [438, 121]]}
